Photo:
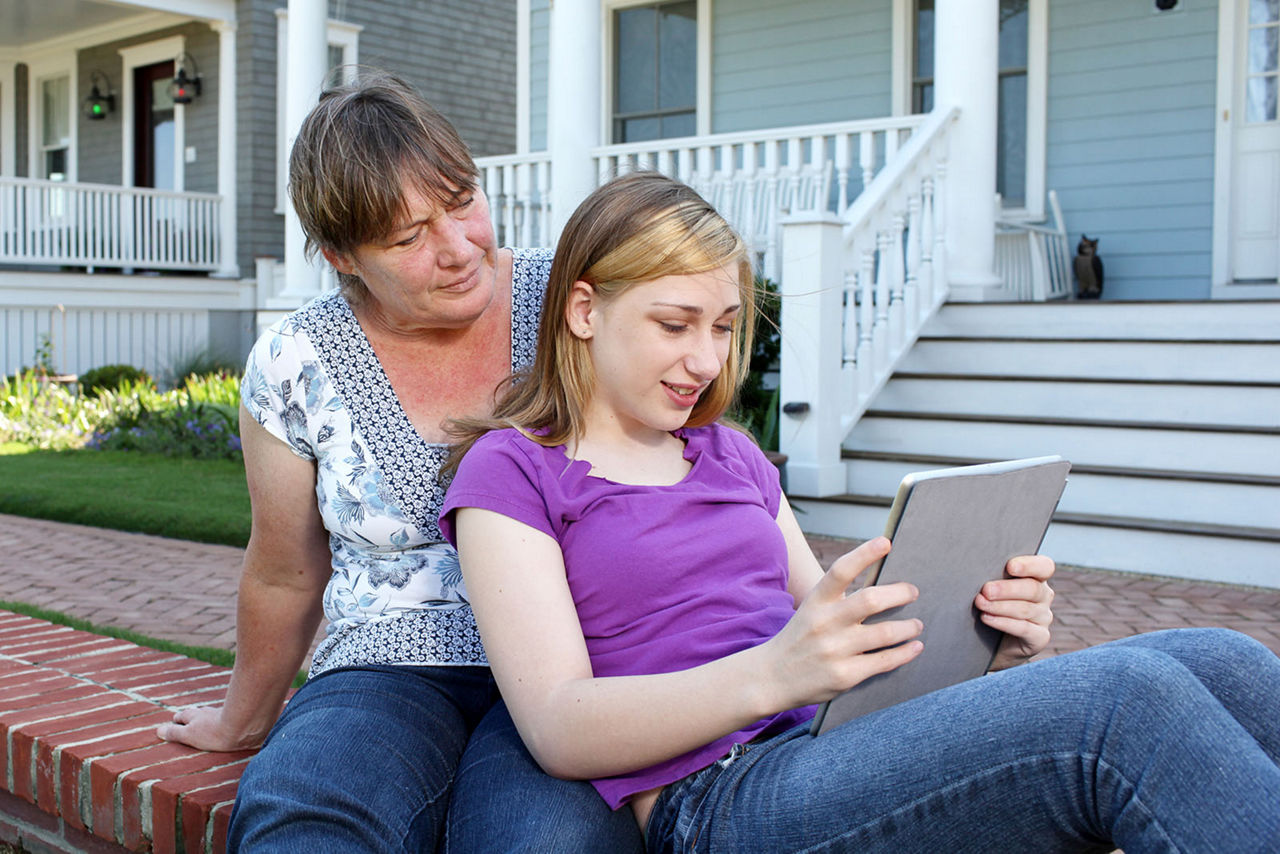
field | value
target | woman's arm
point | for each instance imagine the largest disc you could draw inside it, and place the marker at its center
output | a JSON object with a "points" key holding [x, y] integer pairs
{"points": [[286, 568], [580, 726]]}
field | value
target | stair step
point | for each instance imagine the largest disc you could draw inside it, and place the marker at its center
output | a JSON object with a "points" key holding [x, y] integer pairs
{"points": [[1181, 361], [1201, 405], [1191, 321], [1157, 551], [1084, 444], [1168, 498]]}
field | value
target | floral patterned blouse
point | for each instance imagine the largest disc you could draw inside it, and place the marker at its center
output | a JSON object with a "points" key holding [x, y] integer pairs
{"points": [[396, 594]]}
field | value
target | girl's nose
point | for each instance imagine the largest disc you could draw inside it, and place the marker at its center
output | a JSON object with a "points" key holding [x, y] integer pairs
{"points": [[704, 360]]}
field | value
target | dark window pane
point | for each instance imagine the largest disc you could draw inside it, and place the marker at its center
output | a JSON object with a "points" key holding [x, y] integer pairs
{"points": [[1013, 33], [924, 38], [680, 124], [677, 53], [640, 130], [1011, 156], [637, 57], [922, 98]]}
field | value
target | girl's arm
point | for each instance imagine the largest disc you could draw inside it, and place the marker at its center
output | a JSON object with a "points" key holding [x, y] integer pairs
{"points": [[578, 726]]}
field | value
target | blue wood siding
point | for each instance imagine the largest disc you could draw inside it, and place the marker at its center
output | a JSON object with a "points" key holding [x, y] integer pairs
{"points": [[777, 64], [1130, 139]]}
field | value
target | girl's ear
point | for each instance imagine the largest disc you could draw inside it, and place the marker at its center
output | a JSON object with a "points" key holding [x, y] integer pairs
{"points": [[341, 261], [579, 311]]}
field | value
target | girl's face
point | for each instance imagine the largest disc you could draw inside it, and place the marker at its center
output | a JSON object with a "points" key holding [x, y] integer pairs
{"points": [[655, 347]]}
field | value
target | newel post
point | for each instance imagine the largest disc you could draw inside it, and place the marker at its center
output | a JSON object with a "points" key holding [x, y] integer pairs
{"points": [[810, 397]]}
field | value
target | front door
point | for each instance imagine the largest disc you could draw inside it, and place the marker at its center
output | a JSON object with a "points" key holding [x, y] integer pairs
{"points": [[154, 125], [1255, 196]]}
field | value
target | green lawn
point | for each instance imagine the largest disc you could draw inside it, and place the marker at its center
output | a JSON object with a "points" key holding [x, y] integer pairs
{"points": [[202, 500]]}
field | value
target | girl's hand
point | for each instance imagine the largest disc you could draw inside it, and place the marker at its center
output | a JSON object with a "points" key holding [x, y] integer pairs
{"points": [[827, 648], [1020, 607]]}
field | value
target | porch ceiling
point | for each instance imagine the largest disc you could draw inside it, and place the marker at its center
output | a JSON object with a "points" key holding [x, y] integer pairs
{"points": [[24, 22]]}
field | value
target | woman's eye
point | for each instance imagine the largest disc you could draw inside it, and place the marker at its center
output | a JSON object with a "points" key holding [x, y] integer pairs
{"points": [[410, 239]]}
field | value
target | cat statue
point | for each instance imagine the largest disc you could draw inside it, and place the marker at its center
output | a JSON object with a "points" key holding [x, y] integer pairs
{"points": [[1088, 269]]}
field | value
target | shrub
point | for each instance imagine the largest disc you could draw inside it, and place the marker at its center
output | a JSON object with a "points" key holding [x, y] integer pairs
{"points": [[196, 421], [757, 405], [109, 377], [199, 363], [43, 414]]}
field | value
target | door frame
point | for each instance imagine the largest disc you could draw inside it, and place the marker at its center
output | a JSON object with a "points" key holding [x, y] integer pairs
{"points": [[1230, 17], [137, 56]]}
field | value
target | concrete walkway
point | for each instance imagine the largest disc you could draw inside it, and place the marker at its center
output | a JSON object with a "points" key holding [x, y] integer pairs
{"points": [[186, 592]]}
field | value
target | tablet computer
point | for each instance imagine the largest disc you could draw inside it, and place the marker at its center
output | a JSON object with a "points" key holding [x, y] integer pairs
{"points": [[952, 531]]}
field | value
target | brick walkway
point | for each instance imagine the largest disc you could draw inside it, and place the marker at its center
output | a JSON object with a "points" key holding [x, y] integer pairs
{"points": [[185, 592]]}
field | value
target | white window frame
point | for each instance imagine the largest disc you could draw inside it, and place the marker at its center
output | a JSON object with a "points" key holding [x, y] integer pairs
{"points": [[137, 56], [1037, 93], [61, 64], [342, 35], [8, 118], [702, 99]]}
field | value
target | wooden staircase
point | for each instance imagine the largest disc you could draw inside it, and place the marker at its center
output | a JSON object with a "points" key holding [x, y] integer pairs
{"points": [[1169, 413]]}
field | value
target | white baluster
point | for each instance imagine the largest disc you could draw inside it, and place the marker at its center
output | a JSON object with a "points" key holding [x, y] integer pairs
{"points": [[524, 216], [509, 204], [924, 280], [749, 226], [910, 295], [771, 208], [897, 310], [544, 195], [849, 342], [940, 284], [881, 331], [842, 172], [866, 320], [867, 157]]}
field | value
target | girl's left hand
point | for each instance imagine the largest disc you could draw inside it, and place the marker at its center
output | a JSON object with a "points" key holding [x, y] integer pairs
{"points": [[1019, 606]]}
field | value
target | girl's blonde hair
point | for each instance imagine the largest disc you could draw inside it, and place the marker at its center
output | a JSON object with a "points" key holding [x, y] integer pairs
{"points": [[634, 229]]}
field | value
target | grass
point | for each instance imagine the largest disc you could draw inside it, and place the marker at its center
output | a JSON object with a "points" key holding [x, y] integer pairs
{"points": [[202, 500]]}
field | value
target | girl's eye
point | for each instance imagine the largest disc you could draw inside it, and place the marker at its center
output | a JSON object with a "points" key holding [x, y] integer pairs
{"points": [[724, 330], [673, 328]]}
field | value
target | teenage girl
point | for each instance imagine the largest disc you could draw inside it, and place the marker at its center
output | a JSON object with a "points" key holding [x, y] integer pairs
{"points": [[657, 623]]}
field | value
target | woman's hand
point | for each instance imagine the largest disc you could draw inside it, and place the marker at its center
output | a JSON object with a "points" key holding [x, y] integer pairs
{"points": [[1019, 606], [827, 647], [205, 729]]}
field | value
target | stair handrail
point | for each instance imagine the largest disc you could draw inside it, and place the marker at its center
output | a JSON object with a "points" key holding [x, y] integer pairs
{"points": [[856, 290], [895, 272]]}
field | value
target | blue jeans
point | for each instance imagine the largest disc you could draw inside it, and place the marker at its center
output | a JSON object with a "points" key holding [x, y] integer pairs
{"points": [[366, 759], [1161, 742]]}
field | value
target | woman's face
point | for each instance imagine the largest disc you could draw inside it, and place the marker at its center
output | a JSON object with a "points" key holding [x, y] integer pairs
{"points": [[655, 347], [435, 269]]}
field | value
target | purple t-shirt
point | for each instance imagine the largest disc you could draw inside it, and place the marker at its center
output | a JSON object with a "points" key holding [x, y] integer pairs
{"points": [[664, 578]]}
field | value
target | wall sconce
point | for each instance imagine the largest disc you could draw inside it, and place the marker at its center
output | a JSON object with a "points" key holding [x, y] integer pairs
{"points": [[185, 89], [99, 103]]}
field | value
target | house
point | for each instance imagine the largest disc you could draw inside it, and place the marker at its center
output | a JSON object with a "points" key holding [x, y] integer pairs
{"points": [[915, 174], [143, 150]]}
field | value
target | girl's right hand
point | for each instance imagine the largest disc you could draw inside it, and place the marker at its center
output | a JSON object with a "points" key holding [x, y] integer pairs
{"points": [[827, 647]]}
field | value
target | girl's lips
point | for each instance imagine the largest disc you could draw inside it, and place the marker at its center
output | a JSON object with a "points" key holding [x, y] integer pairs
{"points": [[685, 396]]}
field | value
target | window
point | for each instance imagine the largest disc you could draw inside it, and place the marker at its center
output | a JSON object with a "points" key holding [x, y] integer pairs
{"points": [[1013, 116], [344, 40], [655, 73], [55, 127], [1263, 71]]}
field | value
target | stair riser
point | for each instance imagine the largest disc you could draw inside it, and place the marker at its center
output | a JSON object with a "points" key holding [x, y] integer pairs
{"points": [[1134, 402], [1116, 447], [1224, 559], [1212, 321], [1168, 362], [1160, 499]]}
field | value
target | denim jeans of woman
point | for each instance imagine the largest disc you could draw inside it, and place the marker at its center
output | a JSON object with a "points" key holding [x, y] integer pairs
{"points": [[366, 759], [1161, 742]]}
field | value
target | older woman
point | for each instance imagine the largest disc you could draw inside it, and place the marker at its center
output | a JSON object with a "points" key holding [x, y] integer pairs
{"points": [[343, 406]]}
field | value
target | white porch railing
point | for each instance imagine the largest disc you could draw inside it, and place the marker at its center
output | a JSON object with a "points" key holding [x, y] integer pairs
{"points": [[1034, 261], [97, 225], [519, 191], [856, 290], [755, 179]]}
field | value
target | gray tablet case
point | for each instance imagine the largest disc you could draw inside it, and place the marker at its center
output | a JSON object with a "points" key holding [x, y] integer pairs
{"points": [[952, 531]]}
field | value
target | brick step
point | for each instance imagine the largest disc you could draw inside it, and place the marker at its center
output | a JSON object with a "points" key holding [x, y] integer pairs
{"points": [[84, 769]]}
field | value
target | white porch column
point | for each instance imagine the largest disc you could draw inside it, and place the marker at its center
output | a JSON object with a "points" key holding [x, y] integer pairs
{"points": [[812, 286], [966, 65], [8, 119], [308, 52], [573, 109], [228, 98]]}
